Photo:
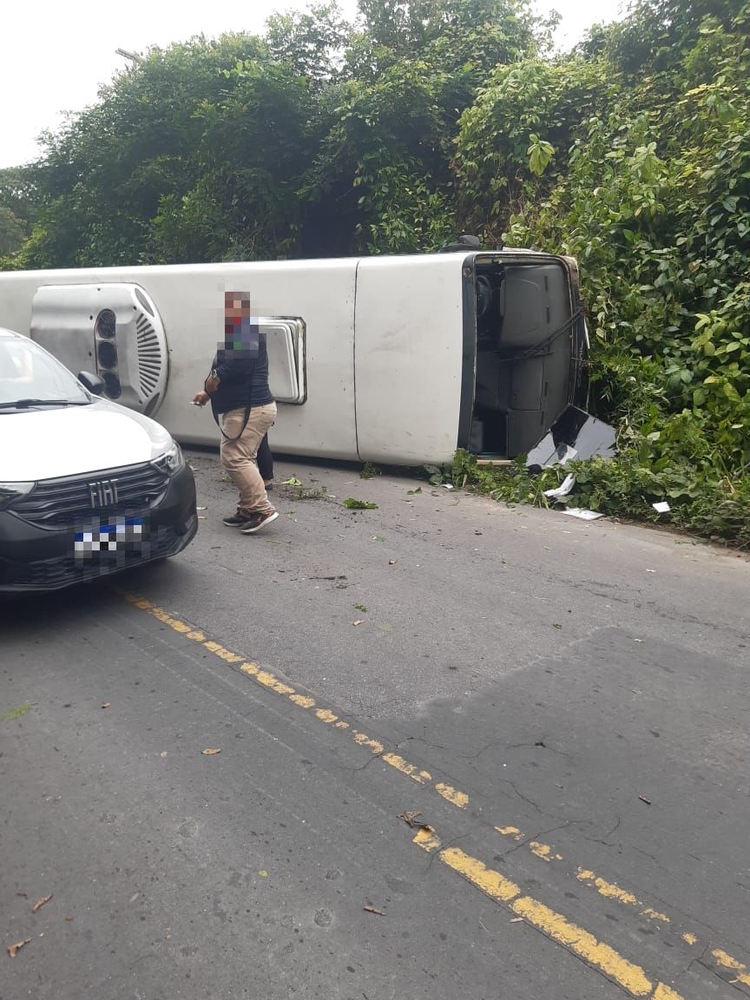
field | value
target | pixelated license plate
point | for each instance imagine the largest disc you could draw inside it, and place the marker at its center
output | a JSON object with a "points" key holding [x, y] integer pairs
{"points": [[112, 542]]}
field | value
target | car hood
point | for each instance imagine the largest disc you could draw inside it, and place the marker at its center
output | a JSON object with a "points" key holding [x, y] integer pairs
{"points": [[72, 440]]}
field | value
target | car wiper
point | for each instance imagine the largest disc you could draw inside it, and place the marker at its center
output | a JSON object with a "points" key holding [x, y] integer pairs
{"points": [[23, 404]]}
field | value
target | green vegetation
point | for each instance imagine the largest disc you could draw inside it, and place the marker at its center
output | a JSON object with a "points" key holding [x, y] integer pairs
{"points": [[430, 117], [15, 713]]}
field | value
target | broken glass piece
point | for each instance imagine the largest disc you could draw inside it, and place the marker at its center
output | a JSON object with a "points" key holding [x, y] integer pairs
{"points": [[575, 434]]}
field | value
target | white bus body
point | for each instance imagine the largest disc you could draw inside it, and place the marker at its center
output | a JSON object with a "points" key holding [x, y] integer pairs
{"points": [[397, 360]]}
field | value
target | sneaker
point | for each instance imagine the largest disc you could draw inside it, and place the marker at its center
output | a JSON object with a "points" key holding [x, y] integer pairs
{"points": [[237, 520], [258, 521]]}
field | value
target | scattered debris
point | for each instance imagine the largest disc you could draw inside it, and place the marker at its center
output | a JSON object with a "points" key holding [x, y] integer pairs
{"points": [[15, 948], [650, 570], [40, 903], [563, 489], [291, 481], [447, 486], [392, 562], [106, 704], [574, 435], [662, 507], [410, 818], [516, 920], [263, 873], [378, 538], [410, 493], [211, 751], [15, 713], [359, 621], [320, 577], [353, 504], [584, 515], [200, 508], [360, 607], [69, 918], [374, 909], [644, 799], [557, 625], [24, 894]]}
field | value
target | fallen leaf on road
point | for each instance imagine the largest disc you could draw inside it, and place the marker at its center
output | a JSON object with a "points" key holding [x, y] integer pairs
{"points": [[15, 713], [643, 799], [106, 704], [40, 903], [373, 909], [556, 625], [15, 948], [410, 818], [263, 873], [68, 918], [359, 621], [211, 751]]}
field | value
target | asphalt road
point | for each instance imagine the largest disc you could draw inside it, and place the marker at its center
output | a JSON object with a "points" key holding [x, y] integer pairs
{"points": [[564, 705]]}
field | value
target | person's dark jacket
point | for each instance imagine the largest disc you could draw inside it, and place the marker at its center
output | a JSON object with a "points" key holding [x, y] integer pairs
{"points": [[243, 378]]}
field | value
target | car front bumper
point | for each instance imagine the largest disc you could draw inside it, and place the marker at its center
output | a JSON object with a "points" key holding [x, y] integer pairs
{"points": [[35, 558]]}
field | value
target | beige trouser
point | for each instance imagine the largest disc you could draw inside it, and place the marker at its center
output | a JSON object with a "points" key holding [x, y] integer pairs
{"points": [[239, 455]]}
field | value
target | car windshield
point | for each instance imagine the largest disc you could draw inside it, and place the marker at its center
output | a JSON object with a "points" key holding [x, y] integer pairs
{"points": [[29, 376]]}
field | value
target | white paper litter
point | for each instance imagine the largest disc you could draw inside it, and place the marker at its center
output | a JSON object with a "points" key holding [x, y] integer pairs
{"points": [[662, 507], [447, 486], [585, 515], [563, 489]]}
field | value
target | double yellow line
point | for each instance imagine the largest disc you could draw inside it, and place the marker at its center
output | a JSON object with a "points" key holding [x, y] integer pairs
{"points": [[628, 976]]}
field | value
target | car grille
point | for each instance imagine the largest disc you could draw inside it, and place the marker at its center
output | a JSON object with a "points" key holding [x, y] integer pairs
{"points": [[50, 574], [67, 502]]}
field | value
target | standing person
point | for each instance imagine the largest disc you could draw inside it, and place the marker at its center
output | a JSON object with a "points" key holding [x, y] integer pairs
{"points": [[265, 463], [244, 409]]}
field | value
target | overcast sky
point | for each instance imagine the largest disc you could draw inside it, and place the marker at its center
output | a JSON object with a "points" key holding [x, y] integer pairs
{"points": [[54, 55]]}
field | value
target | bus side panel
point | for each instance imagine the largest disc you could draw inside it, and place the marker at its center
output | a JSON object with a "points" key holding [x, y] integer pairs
{"points": [[190, 300], [408, 358], [322, 295]]}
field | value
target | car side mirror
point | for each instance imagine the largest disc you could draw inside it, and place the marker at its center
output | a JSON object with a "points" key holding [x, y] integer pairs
{"points": [[93, 383]]}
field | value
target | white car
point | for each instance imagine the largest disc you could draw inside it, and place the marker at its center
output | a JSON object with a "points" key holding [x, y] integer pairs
{"points": [[87, 487]]}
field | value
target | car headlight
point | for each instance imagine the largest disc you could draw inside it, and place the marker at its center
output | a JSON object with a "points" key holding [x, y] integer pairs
{"points": [[10, 492], [171, 460]]}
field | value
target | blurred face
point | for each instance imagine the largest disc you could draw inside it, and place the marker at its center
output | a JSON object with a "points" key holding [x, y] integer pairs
{"points": [[238, 334]]}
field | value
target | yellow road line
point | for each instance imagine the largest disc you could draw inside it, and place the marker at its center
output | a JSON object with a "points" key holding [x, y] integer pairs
{"points": [[457, 798], [731, 963], [584, 945]]}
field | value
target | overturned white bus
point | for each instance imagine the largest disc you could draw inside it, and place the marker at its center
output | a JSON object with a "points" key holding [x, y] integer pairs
{"points": [[399, 360]]}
